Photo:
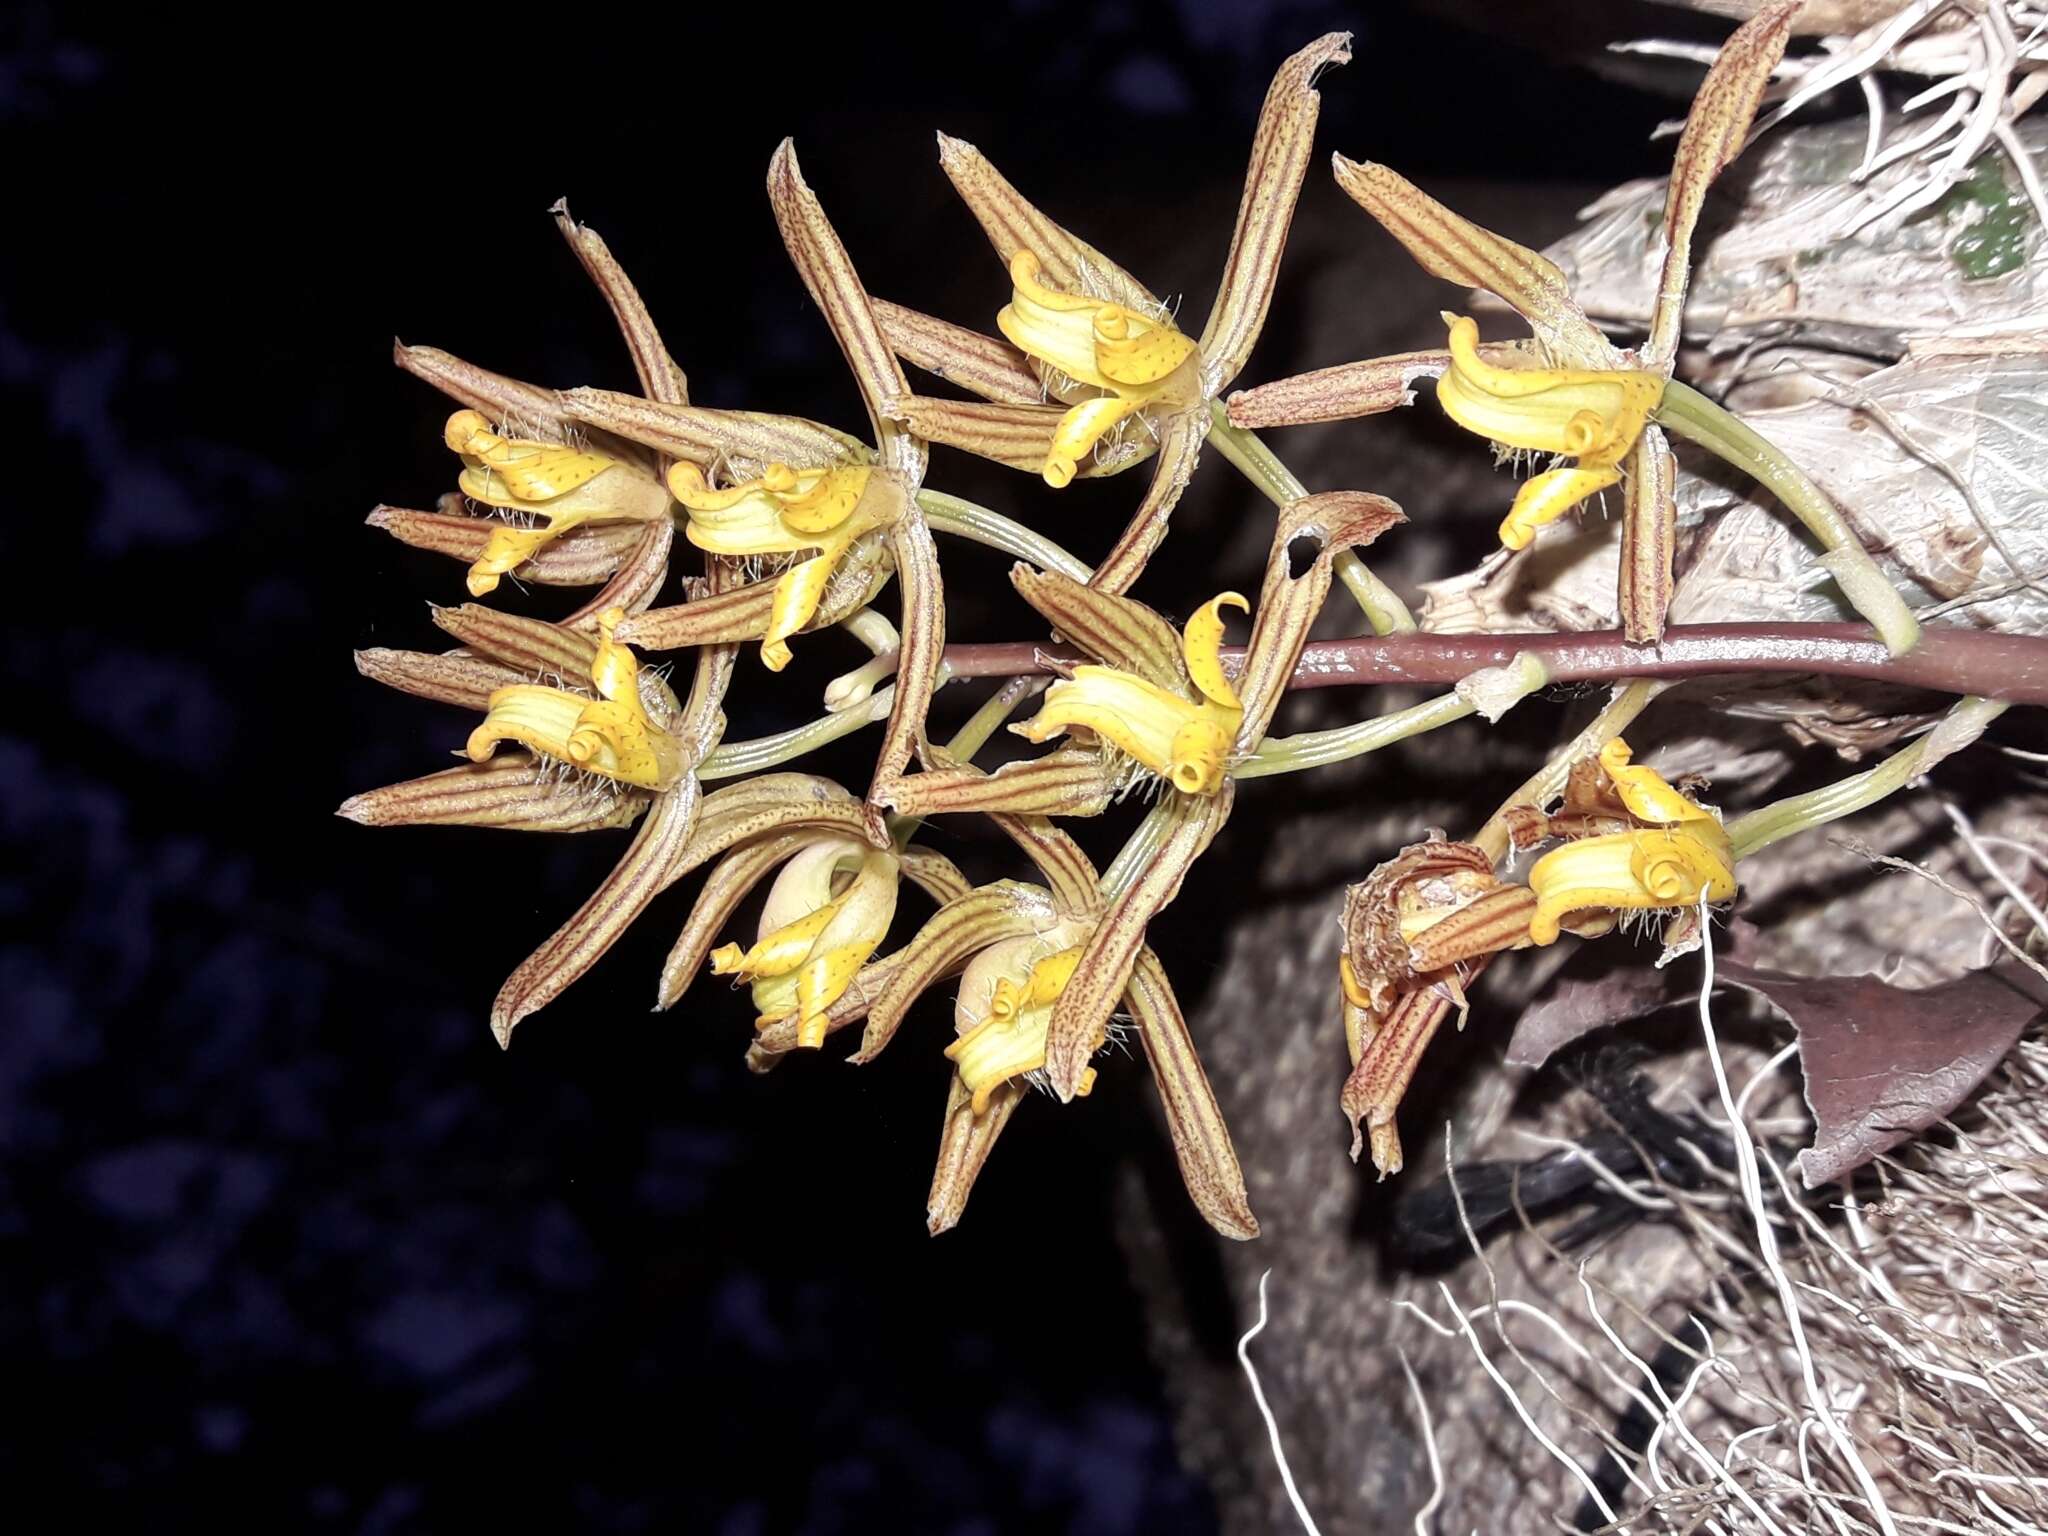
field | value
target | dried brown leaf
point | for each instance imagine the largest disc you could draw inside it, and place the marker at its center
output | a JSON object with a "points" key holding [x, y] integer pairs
{"points": [[1454, 248], [651, 864], [821, 260], [1012, 224], [1180, 448], [1883, 1063], [1082, 1013]]}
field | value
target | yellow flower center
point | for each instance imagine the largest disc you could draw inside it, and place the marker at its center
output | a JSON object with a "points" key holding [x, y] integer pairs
{"points": [[1134, 359], [1009, 1040], [1683, 855], [561, 485], [1591, 415], [786, 511], [1185, 741], [827, 913], [612, 735]]}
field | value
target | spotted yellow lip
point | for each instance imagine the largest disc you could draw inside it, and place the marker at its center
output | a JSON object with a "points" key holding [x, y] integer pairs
{"points": [[1132, 358], [557, 486], [612, 735], [1185, 741], [827, 913], [1591, 415], [786, 511]]}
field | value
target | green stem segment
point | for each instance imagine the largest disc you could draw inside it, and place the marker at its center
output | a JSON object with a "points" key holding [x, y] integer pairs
{"points": [[977, 524], [1383, 608], [1692, 416], [1798, 813]]}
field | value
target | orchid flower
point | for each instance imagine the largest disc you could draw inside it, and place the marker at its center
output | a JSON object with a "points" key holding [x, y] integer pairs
{"points": [[1569, 394], [1423, 925], [1121, 375]]}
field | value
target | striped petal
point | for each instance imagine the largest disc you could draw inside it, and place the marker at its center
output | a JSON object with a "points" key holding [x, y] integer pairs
{"points": [[1280, 154], [1722, 111], [1456, 249]]}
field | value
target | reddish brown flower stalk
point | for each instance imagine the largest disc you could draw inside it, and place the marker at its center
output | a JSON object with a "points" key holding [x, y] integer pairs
{"points": [[1964, 661]]}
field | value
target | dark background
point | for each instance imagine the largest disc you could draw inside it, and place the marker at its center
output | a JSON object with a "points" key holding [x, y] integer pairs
{"points": [[285, 1241]]}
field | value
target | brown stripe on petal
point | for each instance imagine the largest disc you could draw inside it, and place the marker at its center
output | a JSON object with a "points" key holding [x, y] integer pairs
{"points": [[456, 678], [1715, 129], [1194, 1120], [1013, 224], [1280, 151], [933, 873], [533, 646], [649, 866], [1082, 1012], [728, 884], [741, 613], [1069, 782], [795, 806], [961, 929], [1454, 248], [506, 401], [1373, 1091], [1337, 394], [512, 791], [1117, 631], [1069, 873], [1015, 436], [1649, 536], [746, 441], [638, 580], [582, 557], [1289, 602], [983, 365], [821, 261], [922, 626], [1180, 448], [660, 378], [965, 1141], [1491, 923]]}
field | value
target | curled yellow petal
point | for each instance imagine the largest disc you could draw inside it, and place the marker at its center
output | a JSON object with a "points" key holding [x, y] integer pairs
{"points": [[1591, 414], [827, 913], [1136, 359], [1644, 791], [1201, 647], [1631, 871], [612, 735], [1546, 497], [1185, 743], [784, 511], [798, 592], [559, 486], [1079, 430], [1009, 1040]]}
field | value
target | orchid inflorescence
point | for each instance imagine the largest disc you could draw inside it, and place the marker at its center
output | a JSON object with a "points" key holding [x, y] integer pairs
{"points": [[802, 526]]}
